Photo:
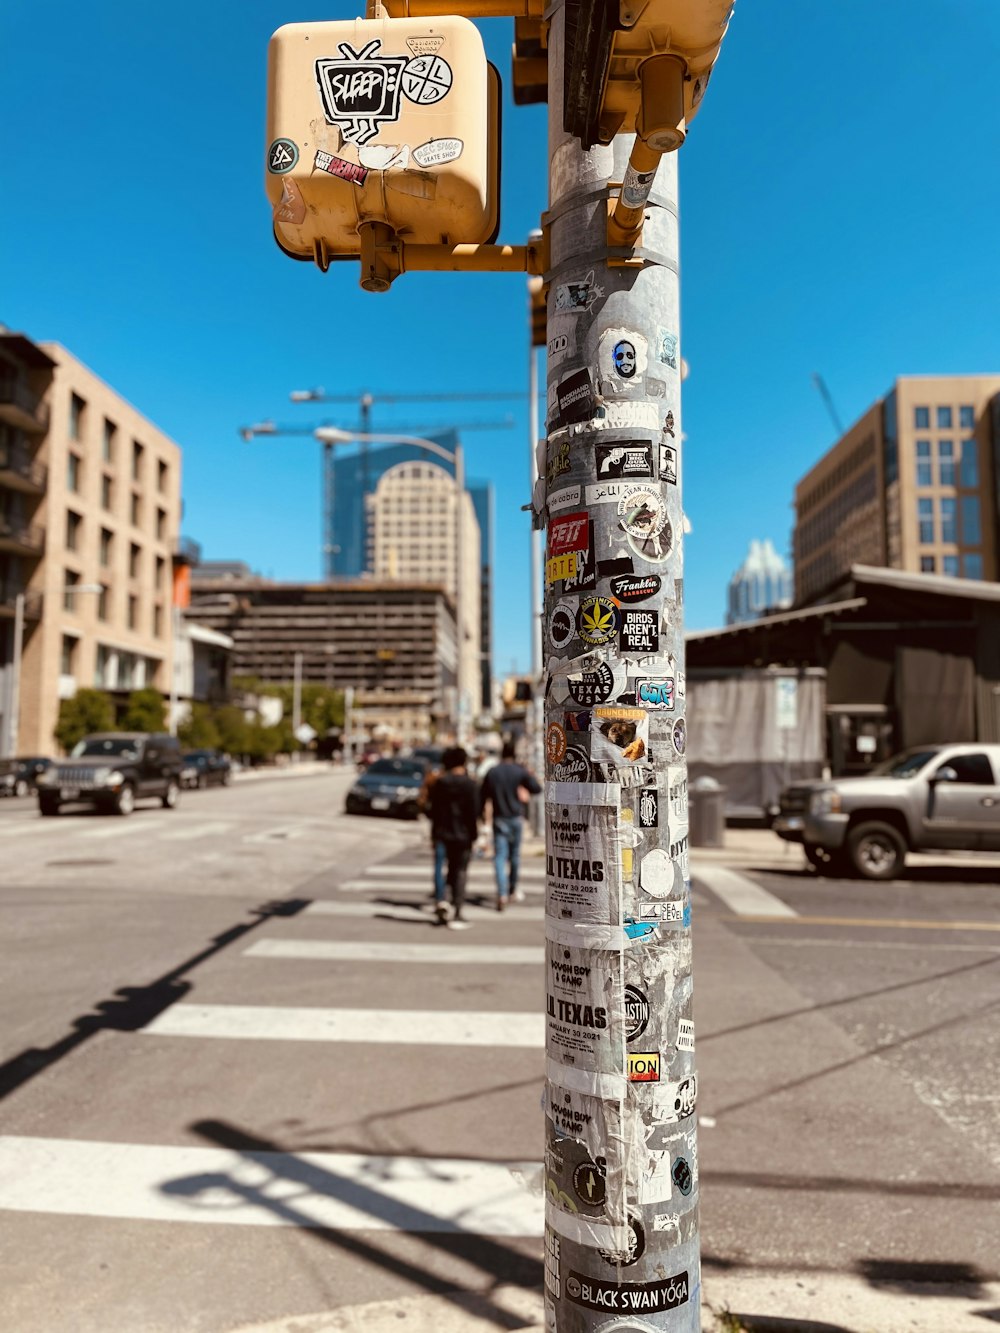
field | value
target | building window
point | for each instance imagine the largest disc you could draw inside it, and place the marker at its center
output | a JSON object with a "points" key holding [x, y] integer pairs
{"points": [[137, 452], [921, 417], [966, 417], [134, 552], [161, 475], [135, 511], [67, 655], [108, 443], [133, 611], [73, 524], [70, 581], [946, 472], [949, 566], [969, 470], [157, 620], [924, 474], [949, 523], [927, 564], [102, 604], [161, 569], [102, 665], [107, 492], [923, 448], [972, 566], [73, 464], [925, 513], [971, 535], [944, 418], [76, 410], [107, 540], [161, 524]]}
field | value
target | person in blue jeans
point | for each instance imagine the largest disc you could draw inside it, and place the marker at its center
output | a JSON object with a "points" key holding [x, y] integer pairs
{"points": [[503, 790], [453, 806]]}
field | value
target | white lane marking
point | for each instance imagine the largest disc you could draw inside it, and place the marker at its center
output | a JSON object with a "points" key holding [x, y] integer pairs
{"points": [[359, 951], [284, 833], [119, 829], [742, 896], [397, 1027], [424, 885], [416, 910], [338, 1191], [192, 831], [41, 827], [426, 867]]}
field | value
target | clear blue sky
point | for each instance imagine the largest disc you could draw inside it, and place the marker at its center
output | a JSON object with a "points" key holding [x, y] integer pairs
{"points": [[840, 203]]}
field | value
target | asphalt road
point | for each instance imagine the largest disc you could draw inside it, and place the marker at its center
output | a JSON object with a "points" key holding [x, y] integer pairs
{"points": [[244, 1077]]}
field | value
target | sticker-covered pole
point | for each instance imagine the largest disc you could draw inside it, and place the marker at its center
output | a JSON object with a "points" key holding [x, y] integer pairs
{"points": [[621, 1237]]}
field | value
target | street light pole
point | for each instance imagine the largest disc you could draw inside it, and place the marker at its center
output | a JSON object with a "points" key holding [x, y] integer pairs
{"points": [[296, 699]]}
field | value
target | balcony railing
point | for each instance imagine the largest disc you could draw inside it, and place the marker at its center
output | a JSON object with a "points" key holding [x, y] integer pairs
{"points": [[23, 538], [21, 407], [20, 466]]}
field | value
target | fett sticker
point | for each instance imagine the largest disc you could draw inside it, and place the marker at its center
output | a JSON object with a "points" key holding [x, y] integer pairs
{"points": [[666, 348], [582, 866], [619, 735], [574, 298], [568, 533], [598, 620], [630, 458], [622, 357], [282, 156]]}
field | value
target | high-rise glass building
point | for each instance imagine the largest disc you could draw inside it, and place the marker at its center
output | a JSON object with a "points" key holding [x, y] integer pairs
{"points": [[762, 584]]}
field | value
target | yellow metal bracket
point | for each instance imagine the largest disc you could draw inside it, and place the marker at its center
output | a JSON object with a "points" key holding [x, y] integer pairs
{"points": [[385, 255], [469, 9]]}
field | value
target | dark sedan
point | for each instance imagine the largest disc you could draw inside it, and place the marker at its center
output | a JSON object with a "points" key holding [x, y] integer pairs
{"points": [[205, 768], [19, 777], [388, 787]]}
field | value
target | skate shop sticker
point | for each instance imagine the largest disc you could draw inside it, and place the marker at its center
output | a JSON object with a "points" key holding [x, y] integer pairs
{"points": [[577, 297], [625, 459], [362, 90], [555, 743], [565, 498], [666, 348], [573, 767], [627, 1298], [619, 736], [655, 693], [598, 620], [282, 156], [639, 635], [622, 358], [635, 587], [562, 626], [575, 397], [438, 152]]}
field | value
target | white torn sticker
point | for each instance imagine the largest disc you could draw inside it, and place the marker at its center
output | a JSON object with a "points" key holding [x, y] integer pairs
{"points": [[436, 152]]}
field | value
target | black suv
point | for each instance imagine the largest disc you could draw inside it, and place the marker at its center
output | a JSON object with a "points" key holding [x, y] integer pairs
{"points": [[113, 770]]}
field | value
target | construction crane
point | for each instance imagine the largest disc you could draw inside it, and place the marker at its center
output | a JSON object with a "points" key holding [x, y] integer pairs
{"points": [[824, 393]]}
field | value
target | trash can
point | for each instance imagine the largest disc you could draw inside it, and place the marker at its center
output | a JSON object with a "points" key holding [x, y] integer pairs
{"points": [[707, 827]]}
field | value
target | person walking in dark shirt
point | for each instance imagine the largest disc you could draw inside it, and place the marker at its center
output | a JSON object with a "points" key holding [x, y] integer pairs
{"points": [[453, 806], [505, 789]]}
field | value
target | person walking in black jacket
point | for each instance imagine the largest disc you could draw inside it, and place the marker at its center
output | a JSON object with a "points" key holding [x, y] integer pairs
{"points": [[505, 789], [453, 806]]}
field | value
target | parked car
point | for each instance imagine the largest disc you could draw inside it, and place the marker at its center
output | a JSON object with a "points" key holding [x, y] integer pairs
{"points": [[113, 770], [932, 798], [432, 755], [388, 787], [18, 777], [206, 768]]}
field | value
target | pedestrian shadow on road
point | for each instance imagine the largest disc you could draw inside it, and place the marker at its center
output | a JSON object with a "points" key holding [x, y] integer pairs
{"points": [[289, 1184], [918, 1277], [761, 1323]]}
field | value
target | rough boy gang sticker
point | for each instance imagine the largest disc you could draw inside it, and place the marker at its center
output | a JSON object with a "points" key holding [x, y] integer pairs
{"points": [[361, 90]]}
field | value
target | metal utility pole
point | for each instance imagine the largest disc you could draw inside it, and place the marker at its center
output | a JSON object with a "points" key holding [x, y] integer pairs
{"points": [[621, 1160]]}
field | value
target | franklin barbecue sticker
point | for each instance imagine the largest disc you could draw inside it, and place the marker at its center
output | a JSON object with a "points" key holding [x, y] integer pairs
{"points": [[635, 587], [361, 90], [583, 866]]}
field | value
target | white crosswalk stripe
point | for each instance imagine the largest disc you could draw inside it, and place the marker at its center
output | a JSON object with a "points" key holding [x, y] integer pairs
{"points": [[743, 896], [339, 1191], [192, 831], [371, 951], [119, 829], [403, 911], [426, 867], [396, 1027]]}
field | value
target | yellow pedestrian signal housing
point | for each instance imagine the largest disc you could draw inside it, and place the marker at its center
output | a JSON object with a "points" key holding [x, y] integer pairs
{"points": [[381, 130], [609, 42]]}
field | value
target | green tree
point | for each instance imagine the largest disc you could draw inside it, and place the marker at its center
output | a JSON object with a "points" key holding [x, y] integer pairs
{"points": [[233, 729], [146, 711], [199, 731], [88, 711]]}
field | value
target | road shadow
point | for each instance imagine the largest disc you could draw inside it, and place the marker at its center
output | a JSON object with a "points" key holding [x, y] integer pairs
{"points": [[296, 1180], [762, 1323], [904, 1275], [131, 1008]]}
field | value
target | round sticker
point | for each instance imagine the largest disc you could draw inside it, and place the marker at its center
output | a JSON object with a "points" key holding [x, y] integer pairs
{"points": [[282, 156], [573, 767], [588, 1182], [636, 1243], [426, 79], [680, 735], [636, 1013], [555, 743], [592, 687], [643, 512], [598, 620], [562, 626]]}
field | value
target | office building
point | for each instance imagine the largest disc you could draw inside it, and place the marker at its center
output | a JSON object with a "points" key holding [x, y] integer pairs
{"points": [[911, 486], [414, 534], [89, 498], [393, 642], [762, 584]]}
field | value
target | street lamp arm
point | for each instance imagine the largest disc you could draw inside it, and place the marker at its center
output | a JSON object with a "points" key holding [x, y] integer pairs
{"points": [[334, 435]]}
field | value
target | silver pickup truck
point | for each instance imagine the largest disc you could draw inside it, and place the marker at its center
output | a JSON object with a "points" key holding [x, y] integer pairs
{"points": [[933, 798]]}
